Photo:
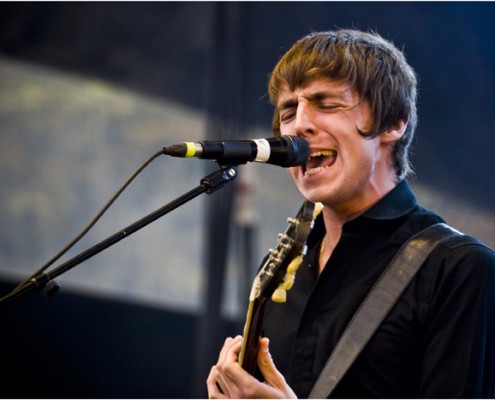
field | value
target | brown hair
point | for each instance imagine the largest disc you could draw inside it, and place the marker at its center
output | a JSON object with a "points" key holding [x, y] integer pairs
{"points": [[373, 66]]}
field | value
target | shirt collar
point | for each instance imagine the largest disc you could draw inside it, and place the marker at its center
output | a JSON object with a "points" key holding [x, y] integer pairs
{"points": [[398, 202]]}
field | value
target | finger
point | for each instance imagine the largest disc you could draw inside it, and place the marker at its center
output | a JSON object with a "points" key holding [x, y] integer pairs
{"points": [[211, 384], [222, 358], [230, 358], [233, 349], [241, 384], [224, 383], [265, 363], [227, 359], [224, 349]]}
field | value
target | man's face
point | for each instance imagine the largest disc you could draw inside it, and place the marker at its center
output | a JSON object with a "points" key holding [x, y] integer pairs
{"points": [[346, 171]]}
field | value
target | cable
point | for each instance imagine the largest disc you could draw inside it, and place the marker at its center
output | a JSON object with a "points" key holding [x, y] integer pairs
{"points": [[92, 222]]}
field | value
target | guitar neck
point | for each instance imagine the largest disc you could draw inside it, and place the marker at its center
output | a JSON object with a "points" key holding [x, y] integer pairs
{"points": [[275, 277], [252, 334]]}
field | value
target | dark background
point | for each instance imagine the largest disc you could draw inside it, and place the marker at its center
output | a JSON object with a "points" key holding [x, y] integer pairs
{"points": [[216, 57]]}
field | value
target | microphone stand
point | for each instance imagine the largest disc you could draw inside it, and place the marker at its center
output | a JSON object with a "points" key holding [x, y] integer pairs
{"points": [[44, 281]]}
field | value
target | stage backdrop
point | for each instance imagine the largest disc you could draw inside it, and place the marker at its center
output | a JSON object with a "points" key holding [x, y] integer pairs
{"points": [[89, 91]]}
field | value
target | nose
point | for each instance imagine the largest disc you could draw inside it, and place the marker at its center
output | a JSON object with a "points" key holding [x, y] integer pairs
{"points": [[304, 124]]}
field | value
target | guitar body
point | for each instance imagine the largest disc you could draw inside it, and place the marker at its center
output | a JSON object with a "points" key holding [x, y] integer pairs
{"points": [[275, 277]]}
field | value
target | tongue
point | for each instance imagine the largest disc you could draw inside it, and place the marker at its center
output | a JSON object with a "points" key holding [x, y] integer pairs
{"points": [[320, 161]]}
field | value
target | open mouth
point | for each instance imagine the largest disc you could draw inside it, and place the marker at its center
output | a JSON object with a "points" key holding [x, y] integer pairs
{"points": [[320, 160]]}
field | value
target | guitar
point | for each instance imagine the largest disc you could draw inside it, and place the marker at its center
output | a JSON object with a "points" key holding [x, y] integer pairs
{"points": [[275, 277]]}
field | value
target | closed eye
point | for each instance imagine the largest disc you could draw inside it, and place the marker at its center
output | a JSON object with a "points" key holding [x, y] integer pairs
{"points": [[287, 116], [328, 106]]}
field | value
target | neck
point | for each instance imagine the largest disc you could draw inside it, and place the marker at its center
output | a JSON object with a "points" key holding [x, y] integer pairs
{"points": [[334, 220], [332, 236]]}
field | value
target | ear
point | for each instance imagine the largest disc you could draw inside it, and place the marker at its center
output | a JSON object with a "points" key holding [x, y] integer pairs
{"points": [[394, 132]]}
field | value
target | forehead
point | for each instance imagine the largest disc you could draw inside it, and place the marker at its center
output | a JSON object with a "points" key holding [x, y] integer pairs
{"points": [[321, 87]]}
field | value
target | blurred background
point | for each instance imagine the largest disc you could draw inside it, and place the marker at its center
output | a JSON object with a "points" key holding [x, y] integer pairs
{"points": [[89, 91]]}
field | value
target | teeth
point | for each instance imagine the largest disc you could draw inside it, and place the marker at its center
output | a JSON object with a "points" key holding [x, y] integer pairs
{"points": [[314, 170], [325, 153], [321, 153]]}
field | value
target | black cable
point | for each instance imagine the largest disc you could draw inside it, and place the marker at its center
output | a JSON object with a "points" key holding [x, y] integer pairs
{"points": [[93, 221]]}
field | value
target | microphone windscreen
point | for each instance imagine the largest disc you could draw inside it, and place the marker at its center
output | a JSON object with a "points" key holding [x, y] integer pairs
{"points": [[298, 150]]}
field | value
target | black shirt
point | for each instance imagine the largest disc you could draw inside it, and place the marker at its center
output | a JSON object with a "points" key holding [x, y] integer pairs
{"points": [[438, 340]]}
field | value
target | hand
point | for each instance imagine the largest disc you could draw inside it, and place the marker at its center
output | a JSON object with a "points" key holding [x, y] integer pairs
{"points": [[227, 379]]}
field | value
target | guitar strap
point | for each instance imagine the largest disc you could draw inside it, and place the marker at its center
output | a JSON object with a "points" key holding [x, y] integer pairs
{"points": [[378, 304]]}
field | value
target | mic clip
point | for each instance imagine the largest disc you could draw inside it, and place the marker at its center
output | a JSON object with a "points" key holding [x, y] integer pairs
{"points": [[217, 179]]}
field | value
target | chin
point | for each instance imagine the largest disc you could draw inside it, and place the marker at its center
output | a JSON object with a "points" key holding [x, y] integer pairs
{"points": [[315, 195]]}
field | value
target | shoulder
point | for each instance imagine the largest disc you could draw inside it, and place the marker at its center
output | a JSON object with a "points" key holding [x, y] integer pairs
{"points": [[460, 263], [451, 242], [460, 248]]}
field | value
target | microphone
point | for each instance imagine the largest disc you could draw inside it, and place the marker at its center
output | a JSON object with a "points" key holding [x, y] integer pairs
{"points": [[284, 151]]}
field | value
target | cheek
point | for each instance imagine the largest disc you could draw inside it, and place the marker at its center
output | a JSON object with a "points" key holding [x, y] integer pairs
{"points": [[286, 129], [362, 150], [364, 160]]}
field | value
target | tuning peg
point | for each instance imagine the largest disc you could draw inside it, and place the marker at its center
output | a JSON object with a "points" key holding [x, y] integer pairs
{"points": [[318, 209], [279, 295], [294, 265]]}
